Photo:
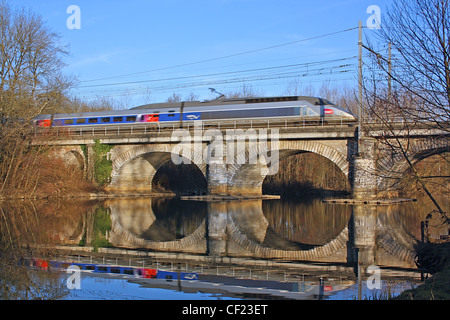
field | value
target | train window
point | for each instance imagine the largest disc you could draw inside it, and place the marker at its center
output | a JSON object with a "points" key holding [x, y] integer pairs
{"points": [[81, 120], [115, 270], [68, 121], [171, 115], [131, 118], [271, 99], [118, 119], [93, 120], [102, 269], [106, 119], [171, 110], [310, 112], [251, 113], [90, 267]]}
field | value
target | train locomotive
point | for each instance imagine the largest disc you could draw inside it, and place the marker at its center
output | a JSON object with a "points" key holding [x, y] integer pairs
{"points": [[299, 108]]}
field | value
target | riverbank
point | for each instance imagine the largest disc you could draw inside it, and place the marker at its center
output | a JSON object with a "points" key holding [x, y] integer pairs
{"points": [[437, 287], [84, 195]]}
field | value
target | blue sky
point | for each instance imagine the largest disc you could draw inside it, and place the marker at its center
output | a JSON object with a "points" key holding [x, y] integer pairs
{"points": [[141, 51]]}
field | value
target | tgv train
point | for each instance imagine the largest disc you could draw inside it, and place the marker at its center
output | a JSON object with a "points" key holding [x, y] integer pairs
{"points": [[265, 108], [111, 269]]}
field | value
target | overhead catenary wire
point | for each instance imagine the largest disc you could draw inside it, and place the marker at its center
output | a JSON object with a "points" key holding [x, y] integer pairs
{"points": [[307, 64], [254, 79], [328, 70], [222, 57]]}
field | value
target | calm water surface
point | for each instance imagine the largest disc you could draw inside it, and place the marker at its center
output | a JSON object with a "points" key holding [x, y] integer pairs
{"points": [[383, 235]]}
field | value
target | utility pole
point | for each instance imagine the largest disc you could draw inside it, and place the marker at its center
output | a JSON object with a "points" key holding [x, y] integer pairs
{"points": [[360, 115]]}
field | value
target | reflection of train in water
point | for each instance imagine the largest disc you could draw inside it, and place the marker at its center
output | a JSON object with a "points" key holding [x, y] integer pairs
{"points": [[111, 269], [273, 108]]}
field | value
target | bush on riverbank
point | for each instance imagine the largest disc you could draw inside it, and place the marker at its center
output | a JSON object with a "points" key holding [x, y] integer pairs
{"points": [[435, 259], [37, 174]]}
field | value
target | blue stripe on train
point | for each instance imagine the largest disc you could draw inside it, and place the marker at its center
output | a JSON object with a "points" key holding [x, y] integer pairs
{"points": [[171, 275], [160, 274]]}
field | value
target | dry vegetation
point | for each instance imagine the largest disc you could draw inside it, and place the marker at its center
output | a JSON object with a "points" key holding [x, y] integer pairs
{"points": [[307, 174]]}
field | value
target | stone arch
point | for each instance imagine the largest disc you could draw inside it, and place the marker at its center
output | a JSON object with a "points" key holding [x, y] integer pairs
{"points": [[248, 177], [190, 243], [392, 167], [75, 158], [331, 248], [131, 217], [134, 169]]}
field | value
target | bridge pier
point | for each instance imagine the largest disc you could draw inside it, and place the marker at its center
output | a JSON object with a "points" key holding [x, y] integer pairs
{"points": [[217, 178], [216, 232], [365, 177], [365, 233], [89, 167], [222, 179]]}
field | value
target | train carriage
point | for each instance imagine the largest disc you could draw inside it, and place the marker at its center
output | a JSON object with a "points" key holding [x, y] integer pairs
{"points": [[186, 113]]}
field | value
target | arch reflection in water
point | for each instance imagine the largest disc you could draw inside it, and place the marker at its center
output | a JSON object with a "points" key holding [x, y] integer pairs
{"points": [[308, 231], [153, 220], [229, 228]]}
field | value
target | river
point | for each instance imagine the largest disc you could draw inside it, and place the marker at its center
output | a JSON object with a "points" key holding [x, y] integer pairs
{"points": [[284, 249]]}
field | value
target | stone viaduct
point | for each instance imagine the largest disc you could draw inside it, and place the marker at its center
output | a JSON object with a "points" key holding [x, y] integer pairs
{"points": [[235, 162], [373, 162]]}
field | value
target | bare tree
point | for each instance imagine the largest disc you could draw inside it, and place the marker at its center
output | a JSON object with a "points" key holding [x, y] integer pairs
{"points": [[418, 90], [419, 33], [31, 63], [245, 91], [177, 97], [31, 82]]}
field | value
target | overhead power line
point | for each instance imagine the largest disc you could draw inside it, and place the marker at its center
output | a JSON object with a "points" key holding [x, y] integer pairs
{"points": [[222, 57], [281, 76], [304, 65]]}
